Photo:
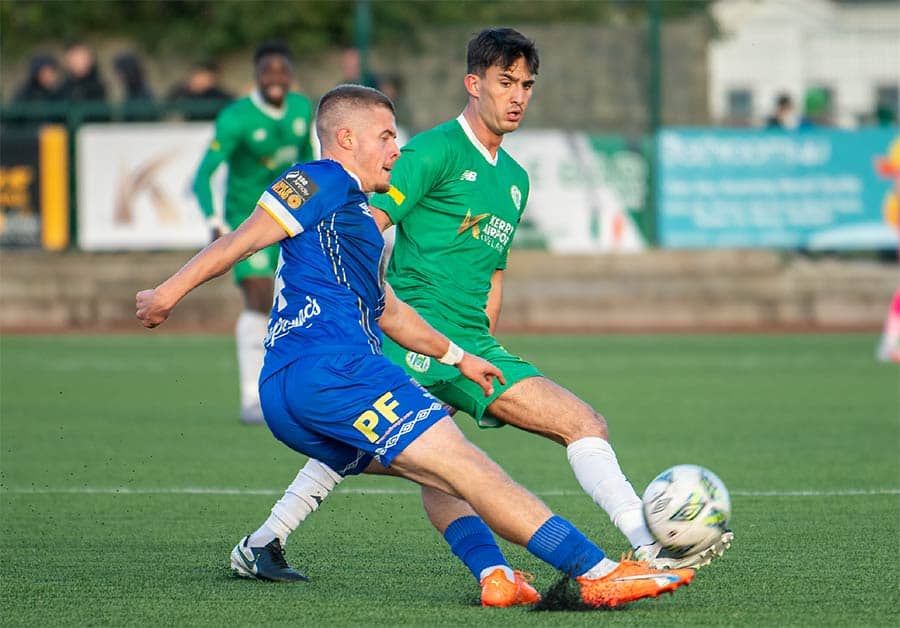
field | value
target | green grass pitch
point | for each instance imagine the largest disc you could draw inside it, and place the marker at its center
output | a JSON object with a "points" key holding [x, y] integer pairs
{"points": [[126, 478]]}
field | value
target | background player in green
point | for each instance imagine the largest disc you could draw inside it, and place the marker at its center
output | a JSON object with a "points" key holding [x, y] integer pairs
{"points": [[456, 198], [257, 136]]}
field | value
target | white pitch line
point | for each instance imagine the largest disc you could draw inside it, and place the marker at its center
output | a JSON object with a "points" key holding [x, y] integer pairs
{"points": [[396, 491]]}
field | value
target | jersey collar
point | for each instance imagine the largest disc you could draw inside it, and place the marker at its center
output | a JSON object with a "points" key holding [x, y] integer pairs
{"points": [[352, 175], [261, 104], [477, 144]]}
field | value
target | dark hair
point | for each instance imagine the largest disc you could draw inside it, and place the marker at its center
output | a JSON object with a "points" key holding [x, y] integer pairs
{"points": [[501, 47], [272, 48], [784, 100], [338, 102]]}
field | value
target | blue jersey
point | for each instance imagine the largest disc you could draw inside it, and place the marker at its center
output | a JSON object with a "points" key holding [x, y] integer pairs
{"points": [[329, 288]]}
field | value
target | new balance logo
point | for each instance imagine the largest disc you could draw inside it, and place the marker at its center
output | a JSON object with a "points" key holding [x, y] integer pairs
{"points": [[469, 175]]}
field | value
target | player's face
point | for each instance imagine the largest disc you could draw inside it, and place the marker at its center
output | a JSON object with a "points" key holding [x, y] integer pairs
{"points": [[503, 96], [273, 76], [377, 149]]}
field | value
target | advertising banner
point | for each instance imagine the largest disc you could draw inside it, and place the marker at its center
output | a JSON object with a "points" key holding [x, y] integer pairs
{"points": [[823, 189], [34, 187], [134, 186], [588, 192]]}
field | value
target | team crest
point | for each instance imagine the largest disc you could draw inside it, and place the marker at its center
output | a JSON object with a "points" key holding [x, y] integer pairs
{"points": [[299, 126], [516, 195], [418, 362]]}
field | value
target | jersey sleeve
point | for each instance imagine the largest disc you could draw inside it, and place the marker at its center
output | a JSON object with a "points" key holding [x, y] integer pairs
{"points": [[421, 166], [299, 198], [226, 139]]}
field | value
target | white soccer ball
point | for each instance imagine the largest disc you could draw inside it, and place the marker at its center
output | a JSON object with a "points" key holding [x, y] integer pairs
{"points": [[687, 508]]}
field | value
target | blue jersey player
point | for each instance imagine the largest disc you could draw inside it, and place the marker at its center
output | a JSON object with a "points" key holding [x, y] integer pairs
{"points": [[326, 389]]}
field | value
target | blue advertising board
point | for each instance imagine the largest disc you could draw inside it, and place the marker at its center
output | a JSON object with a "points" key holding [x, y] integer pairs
{"points": [[812, 189]]}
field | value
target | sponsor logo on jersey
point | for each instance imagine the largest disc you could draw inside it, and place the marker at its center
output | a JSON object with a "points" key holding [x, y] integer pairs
{"points": [[471, 222], [299, 126], [396, 195], [469, 175], [418, 362], [294, 188], [496, 233], [283, 326], [516, 195]]}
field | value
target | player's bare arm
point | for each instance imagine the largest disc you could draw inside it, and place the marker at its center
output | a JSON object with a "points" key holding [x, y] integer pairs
{"points": [[257, 232], [494, 300], [383, 221], [404, 325]]}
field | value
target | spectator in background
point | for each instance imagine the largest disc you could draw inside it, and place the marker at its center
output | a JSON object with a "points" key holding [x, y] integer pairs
{"points": [[138, 102], [816, 109], [40, 98], [199, 96], [783, 116], [83, 84], [352, 71], [44, 82]]}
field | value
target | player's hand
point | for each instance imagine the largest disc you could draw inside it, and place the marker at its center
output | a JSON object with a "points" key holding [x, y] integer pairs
{"points": [[149, 310], [481, 372]]}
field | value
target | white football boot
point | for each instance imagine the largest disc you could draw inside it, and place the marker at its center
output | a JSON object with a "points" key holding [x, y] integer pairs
{"points": [[660, 558]]}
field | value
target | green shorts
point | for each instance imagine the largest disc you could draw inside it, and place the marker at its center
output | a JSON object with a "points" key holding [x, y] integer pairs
{"points": [[447, 384], [261, 264]]}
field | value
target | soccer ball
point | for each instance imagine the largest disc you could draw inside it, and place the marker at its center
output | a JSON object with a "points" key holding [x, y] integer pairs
{"points": [[686, 508]]}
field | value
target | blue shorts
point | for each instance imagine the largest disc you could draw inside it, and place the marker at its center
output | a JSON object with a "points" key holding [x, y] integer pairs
{"points": [[346, 410]]}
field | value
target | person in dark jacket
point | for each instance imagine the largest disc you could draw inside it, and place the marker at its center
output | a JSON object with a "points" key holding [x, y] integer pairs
{"points": [[83, 84], [138, 101]]}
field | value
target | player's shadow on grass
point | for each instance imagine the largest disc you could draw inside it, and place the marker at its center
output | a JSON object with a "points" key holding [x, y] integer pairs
{"points": [[564, 595]]}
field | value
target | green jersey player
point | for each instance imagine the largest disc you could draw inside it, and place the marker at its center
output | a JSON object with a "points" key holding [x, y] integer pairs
{"points": [[456, 198], [257, 136]]}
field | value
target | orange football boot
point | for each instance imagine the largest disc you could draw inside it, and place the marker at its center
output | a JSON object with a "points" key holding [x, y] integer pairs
{"points": [[630, 581], [496, 590]]}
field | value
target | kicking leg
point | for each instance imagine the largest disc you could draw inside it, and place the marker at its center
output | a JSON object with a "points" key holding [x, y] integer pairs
{"points": [[443, 459]]}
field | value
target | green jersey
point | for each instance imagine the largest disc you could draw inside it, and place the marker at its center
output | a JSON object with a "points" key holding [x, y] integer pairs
{"points": [[257, 142], [456, 209]]}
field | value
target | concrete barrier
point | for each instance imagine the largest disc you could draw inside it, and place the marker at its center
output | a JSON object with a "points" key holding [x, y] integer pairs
{"points": [[654, 291]]}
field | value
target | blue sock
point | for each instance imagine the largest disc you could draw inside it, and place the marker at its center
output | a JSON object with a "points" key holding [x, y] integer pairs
{"points": [[562, 545], [473, 543]]}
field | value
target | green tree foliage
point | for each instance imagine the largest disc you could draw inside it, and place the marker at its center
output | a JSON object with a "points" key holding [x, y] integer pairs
{"points": [[202, 28]]}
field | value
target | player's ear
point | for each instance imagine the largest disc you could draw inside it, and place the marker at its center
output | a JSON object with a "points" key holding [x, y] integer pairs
{"points": [[345, 138], [473, 84]]}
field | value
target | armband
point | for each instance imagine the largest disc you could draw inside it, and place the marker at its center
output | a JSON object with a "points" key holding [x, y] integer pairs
{"points": [[453, 356]]}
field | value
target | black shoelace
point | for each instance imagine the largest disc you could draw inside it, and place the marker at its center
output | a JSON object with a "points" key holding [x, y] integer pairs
{"points": [[278, 554]]}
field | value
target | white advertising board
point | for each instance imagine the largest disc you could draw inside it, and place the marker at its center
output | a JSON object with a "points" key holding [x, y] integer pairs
{"points": [[134, 186], [580, 196]]}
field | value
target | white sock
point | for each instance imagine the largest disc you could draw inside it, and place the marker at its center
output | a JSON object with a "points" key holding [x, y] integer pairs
{"points": [[489, 570], [249, 333], [599, 570], [597, 470], [311, 486]]}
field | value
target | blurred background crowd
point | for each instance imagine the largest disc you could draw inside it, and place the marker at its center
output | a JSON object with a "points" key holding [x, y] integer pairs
{"points": [[741, 63]]}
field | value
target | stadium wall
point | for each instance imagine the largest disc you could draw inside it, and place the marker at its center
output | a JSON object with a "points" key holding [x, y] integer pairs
{"points": [[677, 291]]}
